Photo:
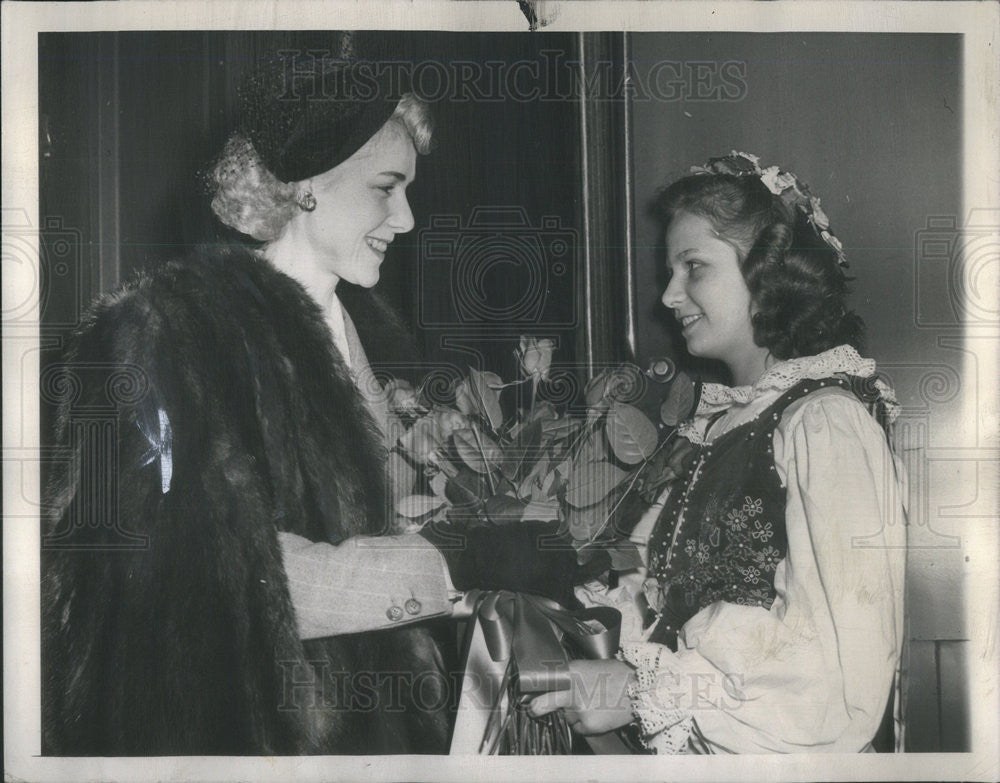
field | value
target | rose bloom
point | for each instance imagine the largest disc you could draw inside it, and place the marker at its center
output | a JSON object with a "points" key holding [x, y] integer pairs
{"points": [[447, 421], [536, 356], [402, 396], [421, 440]]}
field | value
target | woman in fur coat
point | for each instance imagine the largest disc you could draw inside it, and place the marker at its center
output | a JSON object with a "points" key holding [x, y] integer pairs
{"points": [[217, 576]]}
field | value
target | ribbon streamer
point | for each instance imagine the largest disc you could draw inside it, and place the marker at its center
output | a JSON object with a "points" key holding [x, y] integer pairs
{"points": [[532, 633]]}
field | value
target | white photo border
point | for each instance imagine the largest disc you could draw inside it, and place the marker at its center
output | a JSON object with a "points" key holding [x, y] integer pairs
{"points": [[21, 23]]}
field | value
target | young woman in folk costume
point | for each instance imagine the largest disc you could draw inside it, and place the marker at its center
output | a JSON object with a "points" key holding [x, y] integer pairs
{"points": [[774, 579], [261, 613]]}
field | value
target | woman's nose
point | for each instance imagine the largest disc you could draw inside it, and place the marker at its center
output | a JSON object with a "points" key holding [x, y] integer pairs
{"points": [[401, 219], [673, 295]]}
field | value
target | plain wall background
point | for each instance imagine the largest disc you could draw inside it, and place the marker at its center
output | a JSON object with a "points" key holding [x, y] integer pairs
{"points": [[873, 124]]}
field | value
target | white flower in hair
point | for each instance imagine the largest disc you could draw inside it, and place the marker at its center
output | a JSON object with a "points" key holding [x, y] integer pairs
{"points": [[832, 241], [817, 216], [776, 180], [769, 177], [780, 183]]}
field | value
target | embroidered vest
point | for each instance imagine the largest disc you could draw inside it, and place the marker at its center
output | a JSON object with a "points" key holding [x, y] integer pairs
{"points": [[722, 537]]}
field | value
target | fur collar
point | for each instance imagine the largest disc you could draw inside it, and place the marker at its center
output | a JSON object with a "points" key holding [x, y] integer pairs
{"points": [[167, 625]]}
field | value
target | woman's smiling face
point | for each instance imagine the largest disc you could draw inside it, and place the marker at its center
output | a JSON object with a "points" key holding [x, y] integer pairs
{"points": [[710, 298], [361, 205]]}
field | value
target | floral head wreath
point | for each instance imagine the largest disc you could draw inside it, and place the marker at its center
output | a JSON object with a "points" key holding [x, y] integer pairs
{"points": [[783, 184]]}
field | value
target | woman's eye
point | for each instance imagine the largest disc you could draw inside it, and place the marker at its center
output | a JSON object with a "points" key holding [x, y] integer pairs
{"points": [[387, 189]]}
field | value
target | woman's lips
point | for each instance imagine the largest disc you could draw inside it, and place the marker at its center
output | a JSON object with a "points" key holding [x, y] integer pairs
{"points": [[687, 320], [378, 245]]}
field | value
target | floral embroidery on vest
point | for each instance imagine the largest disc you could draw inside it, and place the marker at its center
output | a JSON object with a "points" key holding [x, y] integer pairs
{"points": [[722, 535]]}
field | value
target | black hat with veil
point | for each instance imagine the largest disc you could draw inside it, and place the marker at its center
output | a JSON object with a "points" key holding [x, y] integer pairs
{"points": [[310, 103]]}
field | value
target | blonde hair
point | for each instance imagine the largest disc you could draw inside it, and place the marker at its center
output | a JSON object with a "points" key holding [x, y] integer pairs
{"points": [[248, 197]]}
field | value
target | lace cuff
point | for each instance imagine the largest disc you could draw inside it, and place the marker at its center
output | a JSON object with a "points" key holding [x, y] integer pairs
{"points": [[665, 726]]}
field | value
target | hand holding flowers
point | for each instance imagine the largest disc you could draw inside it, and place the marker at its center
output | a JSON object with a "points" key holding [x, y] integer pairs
{"points": [[503, 480]]}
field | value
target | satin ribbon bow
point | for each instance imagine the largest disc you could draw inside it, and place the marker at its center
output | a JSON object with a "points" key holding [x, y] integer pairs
{"points": [[534, 632], [532, 628]]}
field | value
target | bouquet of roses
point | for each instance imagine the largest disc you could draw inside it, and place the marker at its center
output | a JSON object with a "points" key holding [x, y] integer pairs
{"points": [[470, 463]]}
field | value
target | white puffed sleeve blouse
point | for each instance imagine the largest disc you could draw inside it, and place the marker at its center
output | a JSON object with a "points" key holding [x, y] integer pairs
{"points": [[814, 672]]}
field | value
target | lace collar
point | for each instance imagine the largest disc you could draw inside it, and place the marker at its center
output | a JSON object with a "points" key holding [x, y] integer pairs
{"points": [[715, 397]]}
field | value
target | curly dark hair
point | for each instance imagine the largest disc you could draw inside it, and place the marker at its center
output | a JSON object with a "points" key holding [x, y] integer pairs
{"points": [[795, 280]]}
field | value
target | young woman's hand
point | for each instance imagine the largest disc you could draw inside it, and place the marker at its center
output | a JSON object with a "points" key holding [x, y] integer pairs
{"points": [[597, 701]]}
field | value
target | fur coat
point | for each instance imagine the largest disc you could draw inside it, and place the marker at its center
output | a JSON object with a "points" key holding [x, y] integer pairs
{"points": [[205, 408]]}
